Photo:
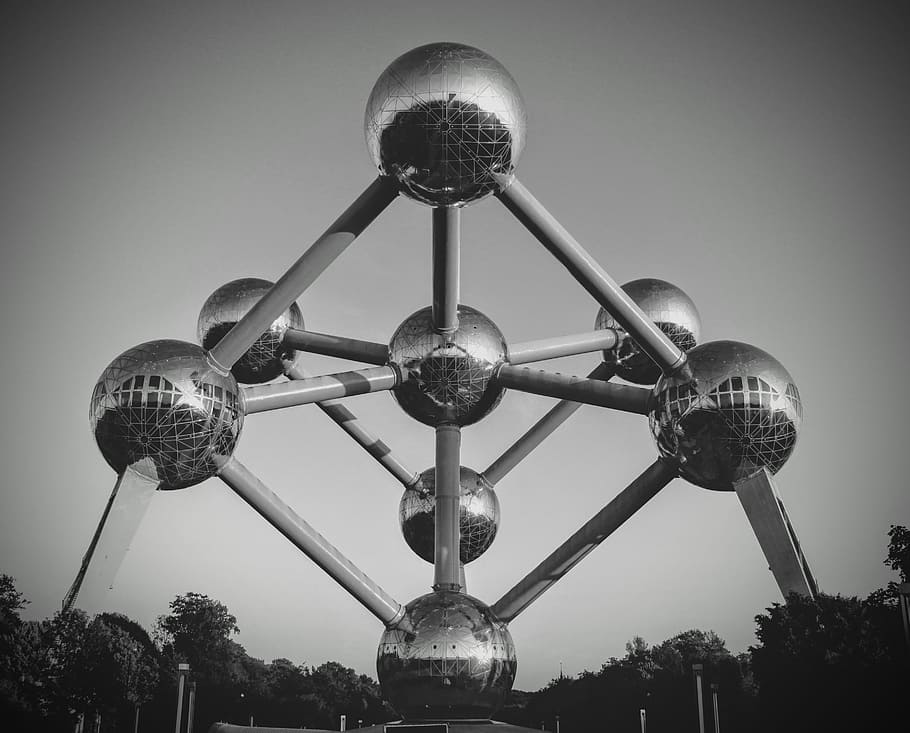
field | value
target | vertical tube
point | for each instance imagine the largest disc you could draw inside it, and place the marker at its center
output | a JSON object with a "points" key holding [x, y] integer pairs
{"points": [[136, 719], [591, 276], [716, 714], [697, 669], [181, 679], [191, 708], [303, 273], [448, 489], [446, 265]]}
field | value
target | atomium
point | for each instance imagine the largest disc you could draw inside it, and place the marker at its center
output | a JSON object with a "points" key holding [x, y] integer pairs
{"points": [[266, 358], [672, 311], [456, 660], [447, 378], [738, 413], [478, 515], [163, 401]]}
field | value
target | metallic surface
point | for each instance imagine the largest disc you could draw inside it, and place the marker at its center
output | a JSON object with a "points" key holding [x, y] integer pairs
{"points": [[441, 120], [317, 389], [457, 661], [589, 536], [478, 515], [447, 379], [672, 311], [447, 568], [446, 268], [310, 542], [590, 275], [266, 358], [536, 434], [739, 412], [163, 401], [347, 421], [577, 389], [303, 273], [553, 348], [369, 352], [775, 535]]}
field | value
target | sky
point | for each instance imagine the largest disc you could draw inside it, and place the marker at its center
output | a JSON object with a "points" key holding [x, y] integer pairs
{"points": [[754, 154]]}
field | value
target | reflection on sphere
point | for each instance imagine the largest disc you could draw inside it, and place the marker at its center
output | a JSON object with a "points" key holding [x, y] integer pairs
{"points": [[163, 402], [740, 412], [478, 515], [266, 358], [458, 662], [672, 311], [447, 378], [443, 119]]}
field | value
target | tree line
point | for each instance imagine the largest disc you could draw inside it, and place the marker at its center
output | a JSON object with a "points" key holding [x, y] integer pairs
{"points": [[830, 663]]}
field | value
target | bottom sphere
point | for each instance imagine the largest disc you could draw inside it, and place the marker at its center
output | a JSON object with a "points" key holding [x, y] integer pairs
{"points": [[458, 661]]}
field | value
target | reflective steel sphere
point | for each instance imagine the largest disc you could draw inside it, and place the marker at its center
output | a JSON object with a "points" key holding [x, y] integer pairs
{"points": [[446, 379], [443, 119], [739, 413], [478, 515], [263, 361], [673, 312], [458, 662], [163, 402]]}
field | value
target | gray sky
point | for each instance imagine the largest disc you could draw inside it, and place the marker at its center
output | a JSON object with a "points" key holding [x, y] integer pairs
{"points": [[755, 154]]}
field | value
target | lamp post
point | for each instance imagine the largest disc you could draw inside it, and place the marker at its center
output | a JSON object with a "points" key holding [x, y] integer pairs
{"points": [[714, 688], [904, 596], [183, 670], [697, 670]]}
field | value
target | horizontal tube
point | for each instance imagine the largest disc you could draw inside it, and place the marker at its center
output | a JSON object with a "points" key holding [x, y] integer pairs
{"points": [[591, 534], [318, 389], [368, 352], [303, 273], [553, 348], [349, 422], [576, 389], [544, 427], [590, 275], [310, 542]]}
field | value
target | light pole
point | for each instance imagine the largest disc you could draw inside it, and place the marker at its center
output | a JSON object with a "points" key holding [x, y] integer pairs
{"points": [[903, 591], [714, 688], [697, 670], [183, 670]]}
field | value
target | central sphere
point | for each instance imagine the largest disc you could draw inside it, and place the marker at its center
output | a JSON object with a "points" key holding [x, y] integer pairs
{"points": [[458, 660], [266, 358], [447, 378], [738, 413], [478, 515], [445, 120], [672, 311], [162, 401]]}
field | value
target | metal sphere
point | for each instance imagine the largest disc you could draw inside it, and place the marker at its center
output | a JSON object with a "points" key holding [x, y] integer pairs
{"points": [[739, 412], [478, 515], [445, 120], [266, 358], [163, 402], [457, 661], [672, 311], [447, 378]]}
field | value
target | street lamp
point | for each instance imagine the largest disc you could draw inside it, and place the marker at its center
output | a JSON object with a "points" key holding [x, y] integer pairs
{"points": [[714, 688], [697, 670], [183, 670], [903, 591]]}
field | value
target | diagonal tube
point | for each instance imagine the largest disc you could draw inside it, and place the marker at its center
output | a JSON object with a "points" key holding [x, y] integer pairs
{"points": [[446, 561], [446, 264], [577, 389], [590, 275], [310, 542], [317, 389], [553, 348], [369, 352], [378, 195], [542, 429], [348, 422], [591, 534]]}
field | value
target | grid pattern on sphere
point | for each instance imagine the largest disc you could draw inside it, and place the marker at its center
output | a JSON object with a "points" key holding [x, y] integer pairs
{"points": [[226, 306], [761, 429], [181, 421], [446, 377], [444, 121]]}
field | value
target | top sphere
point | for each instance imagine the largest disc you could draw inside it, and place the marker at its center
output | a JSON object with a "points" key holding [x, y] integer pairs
{"points": [[445, 120], [162, 401], [266, 358], [672, 311], [738, 413]]}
